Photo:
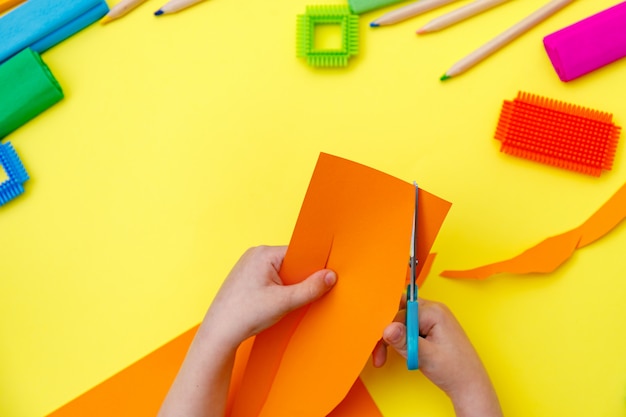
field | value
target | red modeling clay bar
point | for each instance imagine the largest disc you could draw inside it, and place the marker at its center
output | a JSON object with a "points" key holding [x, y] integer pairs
{"points": [[559, 134]]}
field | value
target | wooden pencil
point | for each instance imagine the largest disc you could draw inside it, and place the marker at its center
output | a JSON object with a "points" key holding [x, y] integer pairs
{"points": [[505, 37], [175, 5], [120, 9], [458, 15], [8, 4], [406, 12]]}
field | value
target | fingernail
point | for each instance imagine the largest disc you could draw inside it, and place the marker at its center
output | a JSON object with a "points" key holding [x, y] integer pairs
{"points": [[330, 278]]}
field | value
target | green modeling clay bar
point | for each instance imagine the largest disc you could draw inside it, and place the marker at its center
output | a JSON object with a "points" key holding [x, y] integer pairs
{"points": [[362, 6], [27, 88]]}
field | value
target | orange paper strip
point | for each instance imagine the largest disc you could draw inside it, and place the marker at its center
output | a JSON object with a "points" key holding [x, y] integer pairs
{"points": [[552, 252], [356, 221]]}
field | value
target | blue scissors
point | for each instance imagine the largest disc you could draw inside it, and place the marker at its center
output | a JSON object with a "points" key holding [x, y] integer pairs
{"points": [[412, 320]]}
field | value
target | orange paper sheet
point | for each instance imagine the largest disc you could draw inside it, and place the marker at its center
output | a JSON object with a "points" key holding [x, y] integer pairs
{"points": [[554, 251], [356, 221]]}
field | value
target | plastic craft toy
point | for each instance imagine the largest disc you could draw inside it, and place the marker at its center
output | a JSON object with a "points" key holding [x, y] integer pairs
{"points": [[362, 6], [559, 134], [41, 24], [317, 16], [16, 175]]}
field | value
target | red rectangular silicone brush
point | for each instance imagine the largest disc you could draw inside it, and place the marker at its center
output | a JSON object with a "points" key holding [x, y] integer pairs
{"points": [[557, 133]]}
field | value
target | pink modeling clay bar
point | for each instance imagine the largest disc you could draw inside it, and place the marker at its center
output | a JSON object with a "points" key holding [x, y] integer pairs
{"points": [[589, 44]]}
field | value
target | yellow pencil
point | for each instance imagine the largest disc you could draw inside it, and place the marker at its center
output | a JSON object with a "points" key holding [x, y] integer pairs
{"points": [[505, 37], [7, 4], [406, 12], [460, 14], [175, 5], [120, 9]]}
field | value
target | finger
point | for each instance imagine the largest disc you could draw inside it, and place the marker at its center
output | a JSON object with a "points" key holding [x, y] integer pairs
{"points": [[432, 315], [309, 289], [395, 335], [276, 255], [379, 354], [425, 350]]}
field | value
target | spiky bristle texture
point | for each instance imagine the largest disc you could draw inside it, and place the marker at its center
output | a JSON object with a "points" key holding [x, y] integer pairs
{"points": [[327, 14], [557, 133]]}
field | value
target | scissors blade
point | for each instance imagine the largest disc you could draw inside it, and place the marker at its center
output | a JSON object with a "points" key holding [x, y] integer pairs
{"points": [[413, 257]]}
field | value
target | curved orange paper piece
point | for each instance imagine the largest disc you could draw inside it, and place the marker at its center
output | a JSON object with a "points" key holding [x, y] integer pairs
{"points": [[554, 251], [356, 221]]}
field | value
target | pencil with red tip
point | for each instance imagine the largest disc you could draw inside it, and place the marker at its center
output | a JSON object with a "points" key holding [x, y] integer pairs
{"points": [[458, 15]]}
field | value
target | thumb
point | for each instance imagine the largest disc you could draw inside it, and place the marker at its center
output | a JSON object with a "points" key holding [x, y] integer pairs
{"points": [[395, 335], [309, 289]]}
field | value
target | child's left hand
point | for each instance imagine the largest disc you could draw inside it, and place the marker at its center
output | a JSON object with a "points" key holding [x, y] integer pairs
{"points": [[253, 297]]}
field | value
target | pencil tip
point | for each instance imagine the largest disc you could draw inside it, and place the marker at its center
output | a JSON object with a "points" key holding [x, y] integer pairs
{"points": [[445, 77], [158, 12], [374, 25], [420, 31], [106, 19]]}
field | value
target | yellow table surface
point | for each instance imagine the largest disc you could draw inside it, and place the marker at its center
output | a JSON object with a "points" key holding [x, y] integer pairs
{"points": [[185, 139]]}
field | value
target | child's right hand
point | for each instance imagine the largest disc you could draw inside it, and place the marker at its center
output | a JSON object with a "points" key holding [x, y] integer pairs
{"points": [[446, 357]]}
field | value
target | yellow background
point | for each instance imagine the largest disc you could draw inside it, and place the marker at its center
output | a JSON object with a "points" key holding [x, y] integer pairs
{"points": [[185, 139]]}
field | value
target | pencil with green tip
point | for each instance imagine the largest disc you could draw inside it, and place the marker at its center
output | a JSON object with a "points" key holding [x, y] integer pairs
{"points": [[505, 37], [458, 15]]}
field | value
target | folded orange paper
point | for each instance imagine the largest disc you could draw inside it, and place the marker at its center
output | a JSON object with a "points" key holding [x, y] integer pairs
{"points": [[551, 253]]}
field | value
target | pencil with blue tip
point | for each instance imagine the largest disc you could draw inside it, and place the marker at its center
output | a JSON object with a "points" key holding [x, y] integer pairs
{"points": [[505, 37], [411, 10], [174, 6]]}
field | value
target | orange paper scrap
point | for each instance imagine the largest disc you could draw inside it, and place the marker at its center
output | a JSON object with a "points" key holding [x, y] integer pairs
{"points": [[356, 221], [554, 251]]}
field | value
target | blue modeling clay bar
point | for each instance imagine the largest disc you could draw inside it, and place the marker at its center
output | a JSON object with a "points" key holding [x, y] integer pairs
{"points": [[41, 24], [15, 174]]}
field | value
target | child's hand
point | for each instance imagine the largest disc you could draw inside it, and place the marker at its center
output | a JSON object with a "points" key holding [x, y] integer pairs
{"points": [[446, 357], [253, 297]]}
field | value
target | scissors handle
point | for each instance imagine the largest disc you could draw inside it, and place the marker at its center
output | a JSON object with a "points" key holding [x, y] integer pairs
{"points": [[412, 335]]}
